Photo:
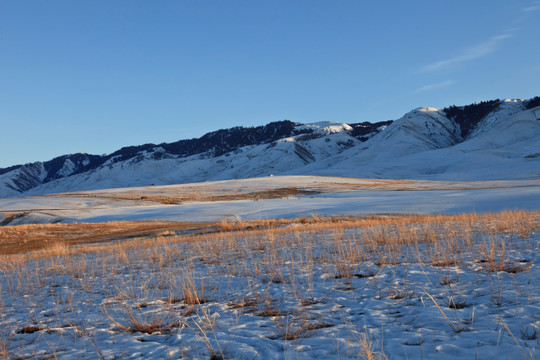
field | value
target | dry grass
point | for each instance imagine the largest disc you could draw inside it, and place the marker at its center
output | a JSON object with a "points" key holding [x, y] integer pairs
{"points": [[165, 194], [163, 285], [47, 237], [134, 320], [295, 326], [381, 234]]}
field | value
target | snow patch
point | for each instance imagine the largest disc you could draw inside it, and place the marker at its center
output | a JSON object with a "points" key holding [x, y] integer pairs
{"points": [[326, 127]]}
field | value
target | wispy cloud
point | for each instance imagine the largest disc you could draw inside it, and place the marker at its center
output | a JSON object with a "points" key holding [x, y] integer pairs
{"points": [[535, 6], [435, 86], [532, 8], [470, 53]]}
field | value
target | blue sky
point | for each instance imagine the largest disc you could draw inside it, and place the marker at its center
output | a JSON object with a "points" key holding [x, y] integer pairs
{"points": [[93, 76]]}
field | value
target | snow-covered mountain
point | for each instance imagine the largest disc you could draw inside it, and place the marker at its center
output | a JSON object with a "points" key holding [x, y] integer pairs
{"points": [[425, 144], [490, 140]]}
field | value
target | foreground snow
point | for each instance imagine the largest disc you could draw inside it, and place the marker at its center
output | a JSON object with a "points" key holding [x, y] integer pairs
{"points": [[326, 294]]}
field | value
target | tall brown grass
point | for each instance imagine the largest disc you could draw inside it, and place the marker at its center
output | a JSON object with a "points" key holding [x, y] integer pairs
{"points": [[162, 287]]}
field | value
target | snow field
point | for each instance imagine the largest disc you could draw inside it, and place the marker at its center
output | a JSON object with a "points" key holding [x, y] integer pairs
{"points": [[336, 196], [397, 287]]}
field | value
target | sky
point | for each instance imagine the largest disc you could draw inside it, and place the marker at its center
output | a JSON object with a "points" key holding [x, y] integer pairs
{"points": [[96, 75]]}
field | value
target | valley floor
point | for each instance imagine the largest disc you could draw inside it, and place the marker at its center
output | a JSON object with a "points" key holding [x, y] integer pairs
{"points": [[272, 197]]}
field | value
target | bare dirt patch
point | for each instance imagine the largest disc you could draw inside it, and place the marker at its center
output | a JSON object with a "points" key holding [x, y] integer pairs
{"points": [[34, 237], [261, 189], [170, 196]]}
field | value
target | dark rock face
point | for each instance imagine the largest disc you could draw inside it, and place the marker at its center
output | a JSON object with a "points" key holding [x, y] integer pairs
{"points": [[467, 117], [532, 103], [363, 131], [223, 141], [67, 165], [28, 177], [8, 169], [215, 143]]}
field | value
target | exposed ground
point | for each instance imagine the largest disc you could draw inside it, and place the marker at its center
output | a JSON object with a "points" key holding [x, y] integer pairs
{"points": [[178, 194], [35, 237], [269, 188]]}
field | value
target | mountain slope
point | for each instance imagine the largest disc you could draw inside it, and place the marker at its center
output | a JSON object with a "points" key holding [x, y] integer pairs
{"points": [[491, 140], [312, 144], [18, 179], [503, 145]]}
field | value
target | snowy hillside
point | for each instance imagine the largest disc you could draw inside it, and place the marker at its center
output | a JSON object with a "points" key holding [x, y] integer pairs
{"points": [[487, 141], [423, 145]]}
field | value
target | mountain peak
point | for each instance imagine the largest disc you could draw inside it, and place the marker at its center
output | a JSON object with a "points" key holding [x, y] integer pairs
{"points": [[325, 127]]}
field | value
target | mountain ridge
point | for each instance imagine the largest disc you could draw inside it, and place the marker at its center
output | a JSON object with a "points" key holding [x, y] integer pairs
{"points": [[278, 147]]}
